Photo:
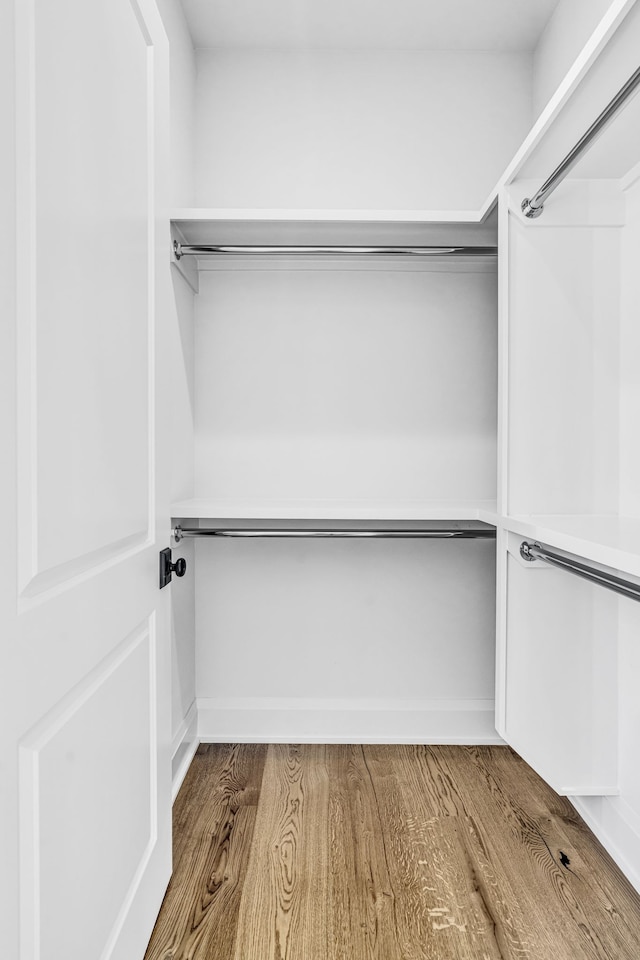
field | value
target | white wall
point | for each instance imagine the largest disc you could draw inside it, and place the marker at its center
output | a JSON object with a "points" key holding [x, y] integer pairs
{"points": [[629, 353], [329, 381], [563, 363], [182, 109], [183, 592], [566, 33], [354, 129], [9, 863], [350, 640], [182, 106], [347, 383]]}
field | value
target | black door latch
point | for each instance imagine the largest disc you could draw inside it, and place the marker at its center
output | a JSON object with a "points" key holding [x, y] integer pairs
{"points": [[167, 568]]}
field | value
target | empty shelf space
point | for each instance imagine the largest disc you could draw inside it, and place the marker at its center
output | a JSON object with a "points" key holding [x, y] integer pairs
{"points": [[335, 510]]}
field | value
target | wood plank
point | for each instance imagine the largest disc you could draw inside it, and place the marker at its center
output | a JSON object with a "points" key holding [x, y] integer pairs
{"points": [[283, 913], [216, 815], [549, 865], [360, 899], [206, 768], [224, 771], [443, 910], [571, 842]]}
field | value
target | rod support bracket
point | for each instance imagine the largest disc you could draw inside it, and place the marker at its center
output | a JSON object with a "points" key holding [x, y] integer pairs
{"points": [[177, 533], [531, 212], [177, 250], [525, 551]]}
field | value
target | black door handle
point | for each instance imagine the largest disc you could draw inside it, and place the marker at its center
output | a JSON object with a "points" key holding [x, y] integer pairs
{"points": [[168, 568]]}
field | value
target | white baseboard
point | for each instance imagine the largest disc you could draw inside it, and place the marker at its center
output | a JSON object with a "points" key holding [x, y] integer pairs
{"points": [[291, 720], [617, 827], [185, 743]]}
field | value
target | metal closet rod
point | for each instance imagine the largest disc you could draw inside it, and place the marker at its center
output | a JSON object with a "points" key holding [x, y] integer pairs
{"points": [[533, 207], [180, 533], [205, 249], [533, 551]]}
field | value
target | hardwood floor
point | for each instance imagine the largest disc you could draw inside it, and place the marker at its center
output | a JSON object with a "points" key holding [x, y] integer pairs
{"points": [[314, 852]]}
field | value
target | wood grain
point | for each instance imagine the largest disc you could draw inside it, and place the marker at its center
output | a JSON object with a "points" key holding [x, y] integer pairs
{"points": [[284, 904], [361, 921], [215, 815], [551, 863], [443, 909], [349, 852]]}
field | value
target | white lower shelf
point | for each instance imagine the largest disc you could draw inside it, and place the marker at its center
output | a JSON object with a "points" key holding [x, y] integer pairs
{"points": [[263, 509], [609, 540]]}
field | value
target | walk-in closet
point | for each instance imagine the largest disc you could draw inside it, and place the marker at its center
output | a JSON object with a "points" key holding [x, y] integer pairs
{"points": [[320, 401]]}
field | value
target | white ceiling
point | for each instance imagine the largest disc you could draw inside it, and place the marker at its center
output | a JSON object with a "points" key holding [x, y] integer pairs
{"points": [[503, 25]]}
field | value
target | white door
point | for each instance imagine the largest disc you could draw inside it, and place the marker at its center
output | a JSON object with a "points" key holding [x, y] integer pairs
{"points": [[84, 649]]}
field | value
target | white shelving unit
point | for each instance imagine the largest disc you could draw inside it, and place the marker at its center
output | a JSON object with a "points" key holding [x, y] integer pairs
{"points": [[384, 228], [335, 227], [193, 219], [608, 540], [570, 402], [355, 391]]}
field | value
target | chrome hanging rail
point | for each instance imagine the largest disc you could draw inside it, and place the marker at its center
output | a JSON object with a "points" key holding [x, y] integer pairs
{"points": [[179, 533], [204, 250], [533, 207], [533, 551]]}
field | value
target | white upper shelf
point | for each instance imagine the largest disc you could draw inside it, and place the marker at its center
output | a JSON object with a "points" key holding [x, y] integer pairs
{"points": [[268, 509], [335, 227]]}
